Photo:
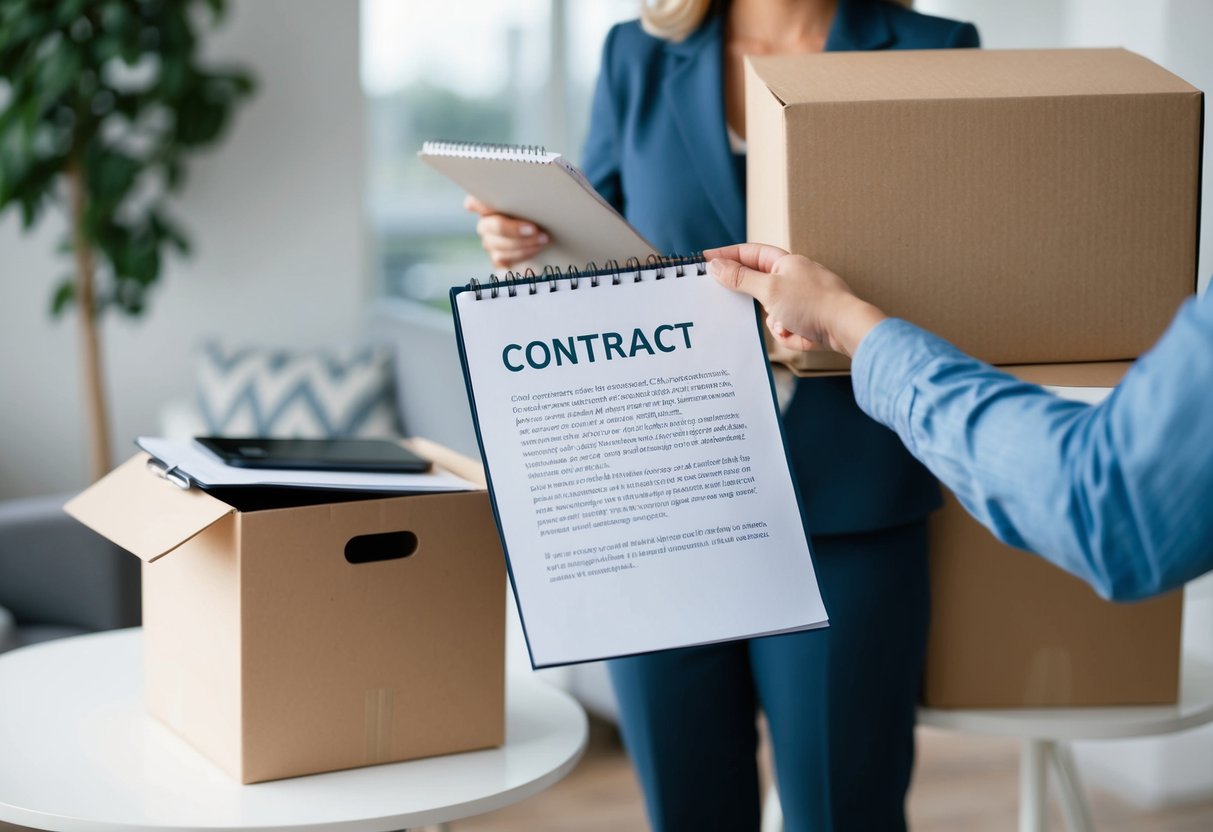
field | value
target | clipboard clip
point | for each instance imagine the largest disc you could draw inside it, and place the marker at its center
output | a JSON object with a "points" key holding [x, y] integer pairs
{"points": [[170, 472]]}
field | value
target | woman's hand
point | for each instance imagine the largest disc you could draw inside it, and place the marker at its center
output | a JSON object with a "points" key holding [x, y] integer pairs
{"points": [[508, 240], [808, 306]]}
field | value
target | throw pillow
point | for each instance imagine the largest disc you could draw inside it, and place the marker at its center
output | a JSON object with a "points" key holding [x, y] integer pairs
{"points": [[280, 393]]}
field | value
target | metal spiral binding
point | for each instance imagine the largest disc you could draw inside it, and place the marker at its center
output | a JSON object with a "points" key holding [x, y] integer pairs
{"points": [[446, 148], [634, 264], [659, 264]]}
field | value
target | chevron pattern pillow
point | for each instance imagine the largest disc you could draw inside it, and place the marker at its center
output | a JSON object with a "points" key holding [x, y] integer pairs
{"points": [[312, 395]]}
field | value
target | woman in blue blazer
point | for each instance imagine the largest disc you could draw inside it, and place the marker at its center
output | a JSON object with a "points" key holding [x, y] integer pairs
{"points": [[664, 148]]}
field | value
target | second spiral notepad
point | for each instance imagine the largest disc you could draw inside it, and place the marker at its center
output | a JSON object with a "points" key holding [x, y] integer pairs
{"points": [[635, 460], [546, 188]]}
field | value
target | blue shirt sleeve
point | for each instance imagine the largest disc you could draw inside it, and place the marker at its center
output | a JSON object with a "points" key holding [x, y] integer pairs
{"points": [[1119, 494]]}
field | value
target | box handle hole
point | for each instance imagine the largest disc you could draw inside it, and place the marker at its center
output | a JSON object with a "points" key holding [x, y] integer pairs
{"points": [[370, 548]]}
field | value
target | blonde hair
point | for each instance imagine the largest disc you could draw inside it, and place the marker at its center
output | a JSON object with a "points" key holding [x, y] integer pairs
{"points": [[674, 20]]}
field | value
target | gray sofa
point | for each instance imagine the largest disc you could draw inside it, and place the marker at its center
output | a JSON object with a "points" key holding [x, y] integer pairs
{"points": [[58, 578]]}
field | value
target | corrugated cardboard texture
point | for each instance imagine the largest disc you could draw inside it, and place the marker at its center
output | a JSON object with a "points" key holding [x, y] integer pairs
{"points": [[191, 640], [1030, 206], [275, 656], [352, 664], [167, 516], [768, 216], [1102, 374], [1010, 630]]}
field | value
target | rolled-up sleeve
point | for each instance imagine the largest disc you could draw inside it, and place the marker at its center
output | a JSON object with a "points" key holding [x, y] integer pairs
{"points": [[1119, 494]]}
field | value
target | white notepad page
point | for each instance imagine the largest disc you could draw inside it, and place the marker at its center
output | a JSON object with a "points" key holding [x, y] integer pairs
{"points": [[644, 496], [547, 189]]}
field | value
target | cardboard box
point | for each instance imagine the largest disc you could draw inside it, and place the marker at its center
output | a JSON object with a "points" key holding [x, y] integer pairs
{"points": [[1008, 629], [276, 648], [1030, 206]]}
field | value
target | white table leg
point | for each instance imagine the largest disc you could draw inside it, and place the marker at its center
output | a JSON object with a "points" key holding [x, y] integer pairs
{"points": [[772, 811], [1033, 797], [1069, 790]]}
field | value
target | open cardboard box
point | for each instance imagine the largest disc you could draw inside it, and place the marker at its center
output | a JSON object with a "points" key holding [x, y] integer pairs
{"points": [[296, 640]]}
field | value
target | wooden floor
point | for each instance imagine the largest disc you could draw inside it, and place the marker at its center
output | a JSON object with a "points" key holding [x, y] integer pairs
{"points": [[962, 784]]}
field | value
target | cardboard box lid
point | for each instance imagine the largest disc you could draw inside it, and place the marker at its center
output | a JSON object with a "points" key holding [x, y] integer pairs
{"points": [[144, 513], [150, 517], [941, 74]]}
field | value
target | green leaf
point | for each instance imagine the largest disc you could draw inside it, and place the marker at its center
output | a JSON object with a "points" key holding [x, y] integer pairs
{"points": [[69, 10], [241, 82], [167, 232], [111, 177], [117, 20], [58, 72], [31, 207], [64, 297], [107, 47], [174, 76], [59, 88], [199, 119]]}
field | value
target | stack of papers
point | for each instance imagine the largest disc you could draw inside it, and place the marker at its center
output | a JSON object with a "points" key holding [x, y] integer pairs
{"points": [[187, 463]]}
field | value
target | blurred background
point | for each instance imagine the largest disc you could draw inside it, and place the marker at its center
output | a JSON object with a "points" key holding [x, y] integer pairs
{"points": [[313, 210], [314, 203]]}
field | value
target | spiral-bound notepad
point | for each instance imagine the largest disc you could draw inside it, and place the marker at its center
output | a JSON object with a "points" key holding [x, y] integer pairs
{"points": [[543, 187], [635, 460]]}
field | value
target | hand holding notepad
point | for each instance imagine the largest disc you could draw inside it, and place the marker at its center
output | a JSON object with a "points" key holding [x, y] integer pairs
{"points": [[545, 189], [635, 460]]}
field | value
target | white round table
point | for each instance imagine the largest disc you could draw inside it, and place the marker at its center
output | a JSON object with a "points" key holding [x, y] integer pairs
{"points": [[78, 754], [1046, 732]]}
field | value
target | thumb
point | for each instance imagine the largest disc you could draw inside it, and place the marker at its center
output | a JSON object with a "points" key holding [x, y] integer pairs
{"points": [[733, 275]]}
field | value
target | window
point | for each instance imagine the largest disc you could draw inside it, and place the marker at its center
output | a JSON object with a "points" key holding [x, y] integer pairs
{"points": [[476, 70]]}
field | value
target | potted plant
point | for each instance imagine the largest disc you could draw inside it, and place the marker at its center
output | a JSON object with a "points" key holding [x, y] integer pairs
{"points": [[101, 103]]}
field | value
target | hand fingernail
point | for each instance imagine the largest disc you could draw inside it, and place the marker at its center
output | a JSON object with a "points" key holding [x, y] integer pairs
{"points": [[543, 238], [716, 266], [526, 230]]}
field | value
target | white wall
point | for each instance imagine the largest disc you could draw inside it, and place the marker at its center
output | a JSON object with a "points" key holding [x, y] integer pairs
{"points": [[276, 218]]}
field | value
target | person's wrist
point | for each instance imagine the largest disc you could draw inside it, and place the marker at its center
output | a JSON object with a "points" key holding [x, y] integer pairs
{"points": [[851, 319]]}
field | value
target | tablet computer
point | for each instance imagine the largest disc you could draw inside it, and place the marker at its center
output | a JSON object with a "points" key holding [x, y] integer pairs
{"points": [[379, 455]]}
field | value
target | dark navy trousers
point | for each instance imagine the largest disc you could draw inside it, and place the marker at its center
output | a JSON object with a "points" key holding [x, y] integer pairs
{"points": [[840, 703]]}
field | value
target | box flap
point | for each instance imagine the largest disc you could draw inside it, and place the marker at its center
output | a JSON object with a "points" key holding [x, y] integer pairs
{"points": [[1093, 374], [900, 75], [144, 513], [456, 463]]}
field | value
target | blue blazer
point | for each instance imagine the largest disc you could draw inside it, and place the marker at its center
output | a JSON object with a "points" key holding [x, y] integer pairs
{"points": [[657, 149]]}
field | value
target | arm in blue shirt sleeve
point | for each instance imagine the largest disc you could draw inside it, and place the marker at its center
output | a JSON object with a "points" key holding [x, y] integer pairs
{"points": [[1119, 494]]}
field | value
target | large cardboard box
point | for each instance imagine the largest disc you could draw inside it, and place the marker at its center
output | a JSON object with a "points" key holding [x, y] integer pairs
{"points": [[295, 640], [1008, 629], [1030, 206], [1035, 208]]}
